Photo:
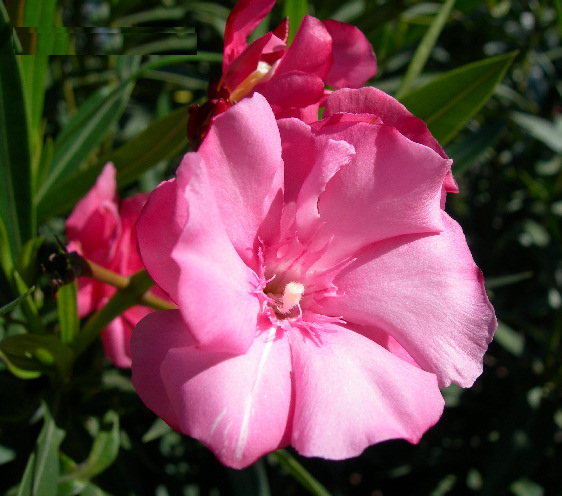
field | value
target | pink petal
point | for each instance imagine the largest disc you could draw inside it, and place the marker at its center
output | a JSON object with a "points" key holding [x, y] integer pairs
{"points": [[240, 407], [351, 393], [115, 339], [392, 187], [127, 259], [354, 58], [243, 19], [156, 238], [214, 286], [94, 223], [291, 89], [152, 338], [371, 100], [311, 50], [427, 293], [242, 154]]}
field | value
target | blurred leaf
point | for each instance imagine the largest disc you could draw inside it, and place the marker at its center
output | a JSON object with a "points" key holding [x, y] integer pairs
{"points": [[467, 151], [156, 430], [10, 306], [42, 470], [67, 309], [163, 139], [84, 132], [28, 355], [15, 159], [541, 129], [448, 102], [251, 480], [6, 261], [526, 487], [424, 49], [38, 13], [498, 282], [299, 473], [33, 322], [295, 10], [185, 43], [26, 262], [509, 339]]}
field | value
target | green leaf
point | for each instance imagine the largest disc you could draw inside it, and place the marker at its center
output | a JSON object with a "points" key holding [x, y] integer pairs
{"points": [[299, 473], [83, 133], [10, 306], [42, 470], [449, 101], [541, 129], [15, 159], [295, 10], [28, 355], [163, 139], [424, 49], [33, 321], [38, 13], [67, 310], [509, 339], [6, 260]]}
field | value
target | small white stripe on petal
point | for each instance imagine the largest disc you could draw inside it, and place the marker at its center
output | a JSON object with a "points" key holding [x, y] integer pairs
{"points": [[250, 399], [217, 420]]}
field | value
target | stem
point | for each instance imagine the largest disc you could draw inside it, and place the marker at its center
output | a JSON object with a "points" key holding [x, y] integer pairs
{"points": [[133, 292], [118, 281]]}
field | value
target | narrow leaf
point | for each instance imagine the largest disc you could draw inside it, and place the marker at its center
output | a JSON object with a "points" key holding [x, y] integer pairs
{"points": [[10, 306], [295, 10], [84, 132], [424, 49], [540, 128], [67, 309], [163, 139], [42, 470], [15, 159], [105, 447], [449, 101], [299, 473]]}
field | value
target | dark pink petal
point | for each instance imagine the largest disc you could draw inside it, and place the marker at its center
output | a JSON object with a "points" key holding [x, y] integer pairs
{"points": [[242, 155], [214, 286], [152, 338], [268, 46], [371, 100], [311, 50], [243, 19], [354, 58], [427, 293], [392, 187], [291, 89], [116, 342], [94, 223], [351, 393], [240, 407], [127, 259]]}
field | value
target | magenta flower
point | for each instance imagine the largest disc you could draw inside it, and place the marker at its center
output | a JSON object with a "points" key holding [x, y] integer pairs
{"points": [[103, 231], [291, 78], [323, 294]]}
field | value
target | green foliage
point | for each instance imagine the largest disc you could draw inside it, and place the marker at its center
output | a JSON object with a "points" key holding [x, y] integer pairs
{"points": [[72, 424]]}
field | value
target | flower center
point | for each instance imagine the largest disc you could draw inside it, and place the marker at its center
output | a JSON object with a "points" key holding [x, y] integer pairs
{"points": [[291, 297], [247, 85]]}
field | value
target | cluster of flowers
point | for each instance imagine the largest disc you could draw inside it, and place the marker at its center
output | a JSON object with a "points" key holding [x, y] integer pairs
{"points": [[323, 294]]}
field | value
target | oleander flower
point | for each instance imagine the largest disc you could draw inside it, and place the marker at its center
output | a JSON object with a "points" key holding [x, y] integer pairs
{"points": [[103, 230], [323, 293], [291, 78]]}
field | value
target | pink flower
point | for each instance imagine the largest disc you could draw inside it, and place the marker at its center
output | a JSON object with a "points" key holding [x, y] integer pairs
{"points": [[323, 294], [103, 231], [291, 78]]}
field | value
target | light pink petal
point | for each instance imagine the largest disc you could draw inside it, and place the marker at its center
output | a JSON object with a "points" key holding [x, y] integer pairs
{"points": [[243, 19], [158, 230], [371, 100], [214, 286], [311, 50], [152, 338], [351, 393], [354, 58], [330, 155], [291, 89], [242, 153], [94, 223], [240, 407], [127, 259], [392, 187], [427, 293]]}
